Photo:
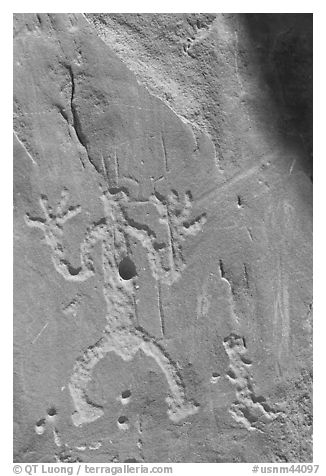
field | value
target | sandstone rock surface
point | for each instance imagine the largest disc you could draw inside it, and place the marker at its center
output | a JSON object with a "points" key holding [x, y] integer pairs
{"points": [[163, 234]]}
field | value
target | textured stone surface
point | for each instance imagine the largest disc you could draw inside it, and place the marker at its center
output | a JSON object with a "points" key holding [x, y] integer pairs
{"points": [[163, 229]]}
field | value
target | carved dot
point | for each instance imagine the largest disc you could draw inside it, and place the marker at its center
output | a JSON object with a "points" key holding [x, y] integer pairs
{"points": [[126, 394], [40, 427], [127, 269], [52, 412], [231, 374], [123, 423], [215, 376], [122, 420]]}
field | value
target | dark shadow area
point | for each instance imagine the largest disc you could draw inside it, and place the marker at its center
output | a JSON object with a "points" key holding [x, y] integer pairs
{"points": [[122, 420], [52, 412], [126, 394], [127, 269], [283, 43]]}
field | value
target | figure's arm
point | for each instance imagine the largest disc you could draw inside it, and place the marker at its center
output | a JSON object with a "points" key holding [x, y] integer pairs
{"points": [[52, 227]]}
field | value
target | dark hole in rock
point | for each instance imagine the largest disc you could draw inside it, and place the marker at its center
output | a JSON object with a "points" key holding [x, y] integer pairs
{"points": [[122, 420], [41, 422], [127, 268], [231, 374], [245, 360], [52, 411], [126, 394]]}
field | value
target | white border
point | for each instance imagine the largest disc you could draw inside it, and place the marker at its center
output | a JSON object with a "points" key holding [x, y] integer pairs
{"points": [[319, 193]]}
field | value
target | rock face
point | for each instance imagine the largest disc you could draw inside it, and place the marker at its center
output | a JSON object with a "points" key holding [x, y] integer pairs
{"points": [[163, 230]]}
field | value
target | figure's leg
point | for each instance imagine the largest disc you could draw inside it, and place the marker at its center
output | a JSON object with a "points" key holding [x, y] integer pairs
{"points": [[179, 407], [125, 342], [86, 411]]}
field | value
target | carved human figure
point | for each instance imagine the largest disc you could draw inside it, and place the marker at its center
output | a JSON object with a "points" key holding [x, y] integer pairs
{"points": [[122, 333]]}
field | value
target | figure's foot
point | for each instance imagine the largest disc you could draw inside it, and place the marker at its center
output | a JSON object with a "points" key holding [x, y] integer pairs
{"points": [[87, 415], [177, 413], [85, 412]]}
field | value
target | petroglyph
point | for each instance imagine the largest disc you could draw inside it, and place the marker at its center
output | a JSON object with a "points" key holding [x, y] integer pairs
{"points": [[123, 423], [52, 228], [125, 290], [40, 426], [122, 334], [175, 215], [125, 397], [252, 411], [215, 377]]}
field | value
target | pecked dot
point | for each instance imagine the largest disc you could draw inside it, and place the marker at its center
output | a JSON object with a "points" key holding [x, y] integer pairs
{"points": [[215, 376], [40, 427], [125, 395], [127, 269], [52, 412], [122, 420], [123, 423]]}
